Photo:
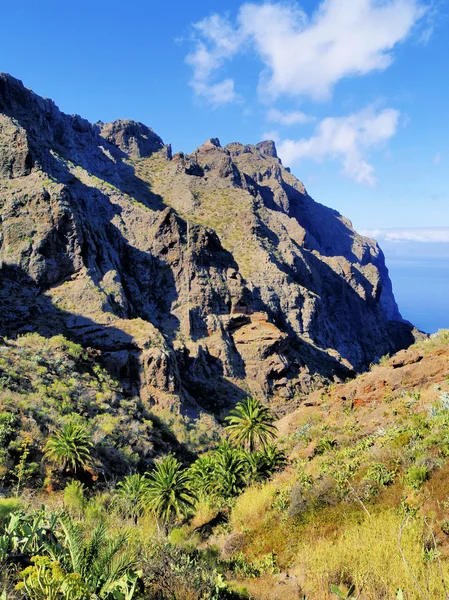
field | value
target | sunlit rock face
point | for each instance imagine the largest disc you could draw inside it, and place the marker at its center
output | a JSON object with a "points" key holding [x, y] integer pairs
{"points": [[201, 278]]}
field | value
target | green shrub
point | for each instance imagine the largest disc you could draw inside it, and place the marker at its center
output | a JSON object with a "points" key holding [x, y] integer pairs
{"points": [[380, 474], [74, 499], [445, 526], [416, 476], [8, 506], [325, 444]]}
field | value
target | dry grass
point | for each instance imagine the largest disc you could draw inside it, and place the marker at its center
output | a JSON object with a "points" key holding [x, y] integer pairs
{"points": [[252, 507], [369, 555]]}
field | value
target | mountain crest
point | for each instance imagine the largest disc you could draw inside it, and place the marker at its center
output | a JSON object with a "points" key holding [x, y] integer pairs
{"points": [[200, 278]]}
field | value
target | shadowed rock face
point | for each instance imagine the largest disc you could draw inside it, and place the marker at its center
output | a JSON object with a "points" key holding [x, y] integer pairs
{"points": [[200, 277]]}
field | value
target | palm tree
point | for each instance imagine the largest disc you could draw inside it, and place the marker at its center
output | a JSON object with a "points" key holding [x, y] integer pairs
{"points": [[202, 475], [105, 564], [169, 494], [251, 424], [230, 471], [69, 448], [132, 494], [263, 463]]}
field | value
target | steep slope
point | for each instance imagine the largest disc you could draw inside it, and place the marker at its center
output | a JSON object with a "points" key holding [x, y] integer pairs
{"points": [[200, 277], [363, 499]]}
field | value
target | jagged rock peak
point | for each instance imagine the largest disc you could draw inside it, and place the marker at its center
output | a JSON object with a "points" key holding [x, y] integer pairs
{"points": [[133, 138], [267, 148], [210, 144]]}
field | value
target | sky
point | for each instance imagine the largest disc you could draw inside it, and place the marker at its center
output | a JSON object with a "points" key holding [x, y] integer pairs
{"points": [[355, 93]]}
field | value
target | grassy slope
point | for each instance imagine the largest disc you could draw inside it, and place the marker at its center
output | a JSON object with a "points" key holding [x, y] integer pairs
{"points": [[359, 470], [367, 461]]}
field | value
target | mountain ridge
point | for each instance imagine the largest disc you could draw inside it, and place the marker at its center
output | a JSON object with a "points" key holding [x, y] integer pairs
{"points": [[200, 277]]}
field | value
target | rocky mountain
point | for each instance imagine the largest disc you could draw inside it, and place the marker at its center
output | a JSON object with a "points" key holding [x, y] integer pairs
{"points": [[199, 278]]}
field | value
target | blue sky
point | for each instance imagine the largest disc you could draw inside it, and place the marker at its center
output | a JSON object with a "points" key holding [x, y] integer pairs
{"points": [[354, 92]]}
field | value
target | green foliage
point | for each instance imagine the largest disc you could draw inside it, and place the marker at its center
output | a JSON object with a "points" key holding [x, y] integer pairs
{"points": [[251, 424], [74, 498], [70, 448], [132, 494], [8, 506], [345, 596], [45, 383], [263, 463], [169, 494], [24, 470], [170, 571], [230, 471], [8, 423], [202, 475], [416, 476], [445, 526], [325, 444], [45, 580], [104, 564], [242, 567], [380, 474], [27, 535]]}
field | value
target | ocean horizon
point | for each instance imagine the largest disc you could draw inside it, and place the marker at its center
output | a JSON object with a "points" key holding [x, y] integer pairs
{"points": [[420, 276]]}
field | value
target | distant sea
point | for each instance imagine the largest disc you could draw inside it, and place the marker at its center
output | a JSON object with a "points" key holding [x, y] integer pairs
{"points": [[420, 275]]}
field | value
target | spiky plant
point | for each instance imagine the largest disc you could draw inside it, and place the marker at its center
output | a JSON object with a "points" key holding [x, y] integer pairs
{"points": [[105, 564], [169, 493], [265, 462], [251, 424], [230, 471], [69, 448], [132, 494]]}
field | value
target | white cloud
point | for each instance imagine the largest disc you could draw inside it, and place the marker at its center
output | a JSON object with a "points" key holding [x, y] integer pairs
{"points": [[216, 93], [418, 234], [305, 56], [437, 158], [345, 139], [216, 41], [271, 135], [288, 118]]}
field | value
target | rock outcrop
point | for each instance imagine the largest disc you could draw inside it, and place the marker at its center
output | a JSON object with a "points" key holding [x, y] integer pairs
{"points": [[200, 277]]}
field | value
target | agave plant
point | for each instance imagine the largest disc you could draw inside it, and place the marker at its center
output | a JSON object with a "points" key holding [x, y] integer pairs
{"points": [[169, 493], [251, 424], [27, 535], [70, 448]]}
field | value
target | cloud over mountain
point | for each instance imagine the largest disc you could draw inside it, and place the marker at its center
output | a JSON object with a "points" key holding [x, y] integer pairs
{"points": [[301, 55], [346, 139]]}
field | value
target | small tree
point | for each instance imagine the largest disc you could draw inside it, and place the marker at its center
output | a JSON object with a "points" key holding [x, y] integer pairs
{"points": [[132, 494], [230, 471], [169, 495], [69, 448], [251, 424]]}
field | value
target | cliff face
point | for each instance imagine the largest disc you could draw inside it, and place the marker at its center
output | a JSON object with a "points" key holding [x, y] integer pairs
{"points": [[200, 277]]}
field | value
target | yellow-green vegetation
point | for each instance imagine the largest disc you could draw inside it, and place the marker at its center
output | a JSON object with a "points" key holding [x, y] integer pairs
{"points": [[349, 502], [53, 396], [229, 211]]}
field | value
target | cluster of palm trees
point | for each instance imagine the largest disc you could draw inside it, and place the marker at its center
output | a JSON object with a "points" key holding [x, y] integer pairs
{"points": [[171, 491]]}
